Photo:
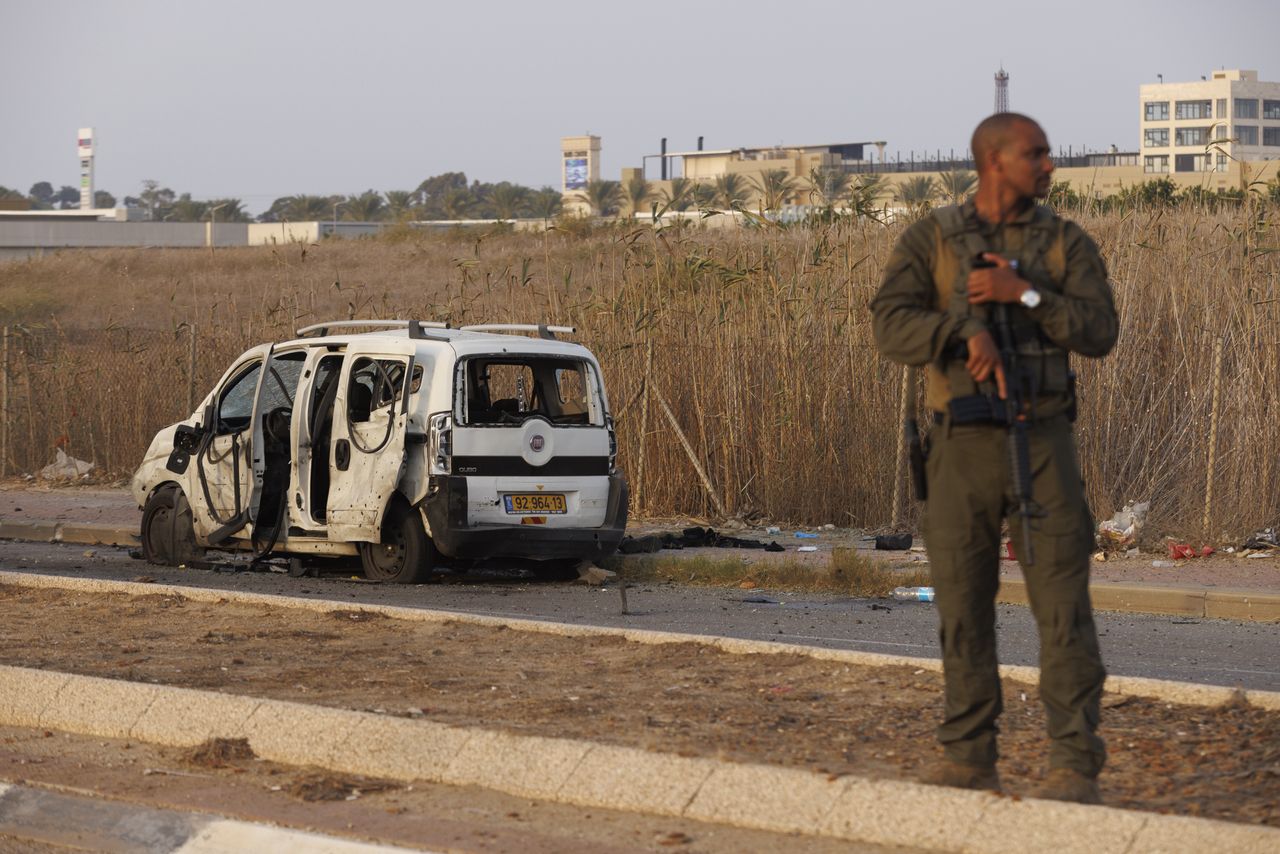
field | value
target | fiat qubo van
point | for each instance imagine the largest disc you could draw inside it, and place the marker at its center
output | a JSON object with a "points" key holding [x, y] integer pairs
{"points": [[409, 444]]}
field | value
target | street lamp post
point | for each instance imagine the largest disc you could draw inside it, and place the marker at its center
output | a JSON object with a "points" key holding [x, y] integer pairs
{"points": [[213, 214], [333, 230]]}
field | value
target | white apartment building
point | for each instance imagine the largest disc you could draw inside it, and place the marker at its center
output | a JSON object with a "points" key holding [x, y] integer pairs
{"points": [[1202, 126]]}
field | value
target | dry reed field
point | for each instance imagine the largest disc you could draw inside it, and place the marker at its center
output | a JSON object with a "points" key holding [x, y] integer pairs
{"points": [[755, 341]]}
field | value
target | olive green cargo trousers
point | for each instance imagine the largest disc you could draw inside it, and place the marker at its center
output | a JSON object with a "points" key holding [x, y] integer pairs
{"points": [[970, 492]]}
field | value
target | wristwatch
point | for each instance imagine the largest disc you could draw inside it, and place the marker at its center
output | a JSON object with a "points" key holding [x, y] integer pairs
{"points": [[1030, 297]]}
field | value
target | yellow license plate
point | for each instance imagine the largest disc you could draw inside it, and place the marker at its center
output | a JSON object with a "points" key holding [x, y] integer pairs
{"points": [[538, 502]]}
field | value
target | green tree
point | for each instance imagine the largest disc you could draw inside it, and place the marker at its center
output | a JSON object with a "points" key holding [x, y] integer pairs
{"points": [[546, 203], [399, 203], [10, 195], [187, 209], [1158, 192], [703, 195], [455, 203], [365, 207], [603, 197], [864, 196], [432, 191], [775, 188], [679, 195], [508, 200], [67, 198], [228, 210], [957, 185], [638, 193], [155, 199], [917, 194], [103, 199], [1062, 197], [731, 191], [41, 195]]}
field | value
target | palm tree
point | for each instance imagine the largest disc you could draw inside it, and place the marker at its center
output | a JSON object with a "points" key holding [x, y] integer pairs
{"points": [[830, 186], [957, 185], [865, 194], [507, 199], [917, 194], [399, 203], [702, 195], [305, 208], [731, 191], [366, 207], [775, 187], [679, 195], [603, 197], [456, 202], [546, 203], [638, 192]]}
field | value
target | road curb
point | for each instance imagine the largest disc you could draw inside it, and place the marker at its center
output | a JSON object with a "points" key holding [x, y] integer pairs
{"points": [[1247, 605], [69, 532], [1186, 693], [584, 773]]}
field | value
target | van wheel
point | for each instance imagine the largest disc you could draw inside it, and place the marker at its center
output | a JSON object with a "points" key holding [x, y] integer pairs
{"points": [[168, 534], [405, 555]]}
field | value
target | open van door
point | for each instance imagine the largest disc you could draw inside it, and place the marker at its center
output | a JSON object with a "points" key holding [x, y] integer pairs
{"points": [[367, 452]]}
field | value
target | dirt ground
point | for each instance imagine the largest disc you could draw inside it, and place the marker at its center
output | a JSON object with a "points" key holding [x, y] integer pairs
{"points": [[688, 699], [444, 818]]}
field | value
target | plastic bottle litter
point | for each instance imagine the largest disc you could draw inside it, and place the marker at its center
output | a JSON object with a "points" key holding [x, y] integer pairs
{"points": [[805, 535], [1162, 564], [913, 594], [807, 549], [773, 529]]}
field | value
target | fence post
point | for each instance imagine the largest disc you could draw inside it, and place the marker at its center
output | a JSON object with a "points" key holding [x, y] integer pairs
{"points": [[191, 372], [640, 492], [4, 403], [1213, 436]]}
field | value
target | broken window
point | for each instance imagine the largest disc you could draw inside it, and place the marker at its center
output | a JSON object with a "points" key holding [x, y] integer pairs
{"points": [[376, 383], [509, 390]]}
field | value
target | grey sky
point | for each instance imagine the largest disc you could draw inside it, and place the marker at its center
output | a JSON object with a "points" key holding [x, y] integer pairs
{"points": [[262, 99]]}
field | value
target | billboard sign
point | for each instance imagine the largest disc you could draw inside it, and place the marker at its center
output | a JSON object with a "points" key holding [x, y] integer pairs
{"points": [[575, 173]]}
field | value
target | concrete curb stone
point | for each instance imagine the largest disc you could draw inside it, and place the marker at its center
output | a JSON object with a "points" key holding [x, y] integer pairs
{"points": [[753, 796], [1178, 692]]}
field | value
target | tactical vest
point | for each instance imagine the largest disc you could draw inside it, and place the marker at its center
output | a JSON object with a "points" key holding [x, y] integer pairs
{"points": [[1041, 260]]}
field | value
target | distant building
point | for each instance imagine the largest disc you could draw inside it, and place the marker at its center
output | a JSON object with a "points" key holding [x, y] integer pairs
{"points": [[1204, 125]]}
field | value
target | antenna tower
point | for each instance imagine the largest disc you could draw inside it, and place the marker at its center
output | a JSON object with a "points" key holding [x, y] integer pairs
{"points": [[1002, 90]]}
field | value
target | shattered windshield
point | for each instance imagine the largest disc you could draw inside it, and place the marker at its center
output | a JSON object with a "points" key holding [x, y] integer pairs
{"points": [[510, 389]]}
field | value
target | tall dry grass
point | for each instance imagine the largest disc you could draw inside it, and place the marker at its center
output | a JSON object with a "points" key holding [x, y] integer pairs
{"points": [[758, 339]]}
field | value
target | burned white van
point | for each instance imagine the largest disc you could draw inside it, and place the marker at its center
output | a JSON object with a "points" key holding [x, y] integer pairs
{"points": [[409, 445]]}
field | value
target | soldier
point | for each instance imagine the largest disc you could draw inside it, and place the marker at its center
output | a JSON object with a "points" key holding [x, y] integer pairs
{"points": [[942, 289]]}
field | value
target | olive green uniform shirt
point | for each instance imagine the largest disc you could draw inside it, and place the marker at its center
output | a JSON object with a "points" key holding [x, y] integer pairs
{"points": [[911, 327]]}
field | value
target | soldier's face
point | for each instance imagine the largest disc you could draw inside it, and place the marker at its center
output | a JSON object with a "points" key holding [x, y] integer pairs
{"points": [[1025, 163]]}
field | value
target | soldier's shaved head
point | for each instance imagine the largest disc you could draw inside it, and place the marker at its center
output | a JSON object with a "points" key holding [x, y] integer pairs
{"points": [[993, 134]]}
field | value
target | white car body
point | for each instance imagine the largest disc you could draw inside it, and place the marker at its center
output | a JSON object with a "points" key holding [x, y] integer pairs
{"points": [[409, 414]]}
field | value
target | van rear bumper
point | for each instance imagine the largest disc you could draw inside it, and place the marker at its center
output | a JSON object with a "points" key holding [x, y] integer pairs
{"points": [[446, 510]]}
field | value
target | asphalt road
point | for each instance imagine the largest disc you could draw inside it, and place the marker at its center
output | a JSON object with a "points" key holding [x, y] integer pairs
{"points": [[1205, 651]]}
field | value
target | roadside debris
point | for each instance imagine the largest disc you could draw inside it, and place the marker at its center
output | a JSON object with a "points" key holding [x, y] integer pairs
{"points": [[65, 467], [690, 538], [913, 594], [217, 752], [1264, 539], [1121, 531], [1186, 551], [893, 542]]}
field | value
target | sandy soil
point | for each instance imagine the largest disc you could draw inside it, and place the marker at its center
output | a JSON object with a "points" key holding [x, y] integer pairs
{"points": [[444, 818], [780, 709]]}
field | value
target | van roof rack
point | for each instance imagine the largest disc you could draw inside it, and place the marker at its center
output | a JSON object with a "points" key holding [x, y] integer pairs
{"points": [[543, 330], [323, 328]]}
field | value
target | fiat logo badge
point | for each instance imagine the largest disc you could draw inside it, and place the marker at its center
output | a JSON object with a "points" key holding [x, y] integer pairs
{"points": [[536, 443]]}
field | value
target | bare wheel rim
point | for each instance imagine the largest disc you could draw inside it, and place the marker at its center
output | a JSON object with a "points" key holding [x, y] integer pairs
{"points": [[386, 560]]}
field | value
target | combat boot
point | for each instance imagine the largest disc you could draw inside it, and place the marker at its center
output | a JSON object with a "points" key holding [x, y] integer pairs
{"points": [[961, 775], [1067, 784]]}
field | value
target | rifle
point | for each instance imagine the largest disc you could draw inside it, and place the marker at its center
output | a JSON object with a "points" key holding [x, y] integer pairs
{"points": [[1021, 387]]}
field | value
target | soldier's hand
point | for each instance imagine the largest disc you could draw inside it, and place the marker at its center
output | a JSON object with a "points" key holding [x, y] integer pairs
{"points": [[1000, 283], [984, 360]]}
